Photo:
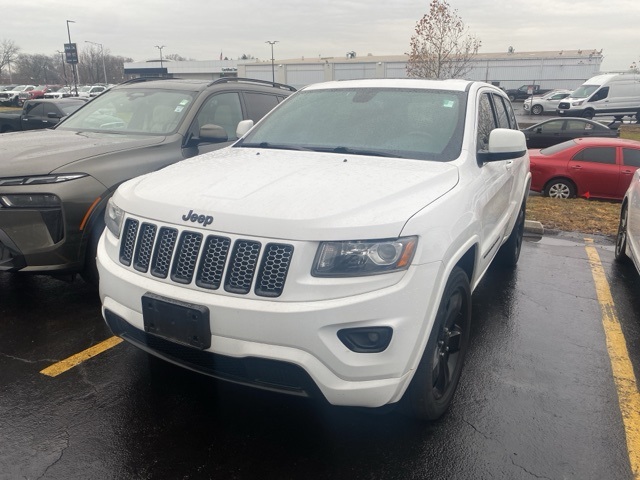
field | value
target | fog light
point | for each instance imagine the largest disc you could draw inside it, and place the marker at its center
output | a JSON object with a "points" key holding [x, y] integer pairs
{"points": [[366, 339]]}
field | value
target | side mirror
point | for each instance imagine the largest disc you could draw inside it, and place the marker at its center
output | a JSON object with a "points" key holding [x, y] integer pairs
{"points": [[504, 144], [213, 133], [53, 115], [243, 127]]}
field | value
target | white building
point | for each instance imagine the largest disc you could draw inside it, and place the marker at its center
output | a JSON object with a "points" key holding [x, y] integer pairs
{"points": [[550, 69]]}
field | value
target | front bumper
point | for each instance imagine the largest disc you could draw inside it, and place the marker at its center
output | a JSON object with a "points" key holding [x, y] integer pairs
{"points": [[297, 339]]}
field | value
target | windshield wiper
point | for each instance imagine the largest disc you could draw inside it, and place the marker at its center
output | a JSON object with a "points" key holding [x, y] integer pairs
{"points": [[361, 151], [276, 146]]}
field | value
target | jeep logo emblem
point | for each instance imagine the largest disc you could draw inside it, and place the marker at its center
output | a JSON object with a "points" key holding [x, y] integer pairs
{"points": [[195, 218]]}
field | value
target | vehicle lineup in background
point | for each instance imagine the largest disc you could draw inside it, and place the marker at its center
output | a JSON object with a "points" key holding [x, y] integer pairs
{"points": [[361, 297], [557, 130], [628, 238], [55, 183], [37, 114], [548, 102], [12, 97], [585, 167]]}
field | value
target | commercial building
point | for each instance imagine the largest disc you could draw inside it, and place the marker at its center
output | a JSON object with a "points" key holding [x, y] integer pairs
{"points": [[549, 69]]}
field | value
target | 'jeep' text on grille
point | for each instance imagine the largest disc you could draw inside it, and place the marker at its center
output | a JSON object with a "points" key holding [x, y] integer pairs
{"points": [[194, 217]]}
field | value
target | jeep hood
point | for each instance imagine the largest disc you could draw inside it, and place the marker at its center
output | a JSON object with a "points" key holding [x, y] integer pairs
{"points": [[40, 152], [290, 194]]}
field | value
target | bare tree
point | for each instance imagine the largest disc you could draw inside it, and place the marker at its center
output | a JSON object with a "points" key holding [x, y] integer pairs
{"points": [[8, 55], [441, 46], [36, 69]]}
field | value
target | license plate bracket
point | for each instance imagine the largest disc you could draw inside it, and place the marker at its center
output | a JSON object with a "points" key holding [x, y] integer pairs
{"points": [[180, 322]]}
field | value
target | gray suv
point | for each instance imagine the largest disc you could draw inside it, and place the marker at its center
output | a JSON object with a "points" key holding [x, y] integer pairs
{"points": [[55, 184]]}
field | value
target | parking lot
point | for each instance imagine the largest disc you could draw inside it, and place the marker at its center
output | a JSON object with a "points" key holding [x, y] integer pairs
{"points": [[543, 393]]}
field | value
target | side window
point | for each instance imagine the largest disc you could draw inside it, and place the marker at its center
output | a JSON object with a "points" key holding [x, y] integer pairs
{"points": [[259, 104], [48, 108], [224, 110], [501, 112], [631, 157], [600, 94], [553, 126], [597, 155], [37, 111], [578, 125], [486, 122]]}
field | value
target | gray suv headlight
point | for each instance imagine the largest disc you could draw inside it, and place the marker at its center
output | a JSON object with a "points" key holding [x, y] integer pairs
{"points": [[113, 217], [363, 257]]}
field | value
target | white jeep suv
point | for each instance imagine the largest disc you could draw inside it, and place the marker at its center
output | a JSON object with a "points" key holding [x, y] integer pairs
{"points": [[332, 250]]}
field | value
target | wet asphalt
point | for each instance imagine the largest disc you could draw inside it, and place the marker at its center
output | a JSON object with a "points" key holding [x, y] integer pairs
{"points": [[536, 400]]}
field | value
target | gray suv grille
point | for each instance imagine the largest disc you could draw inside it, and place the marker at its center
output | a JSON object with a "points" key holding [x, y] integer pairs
{"points": [[210, 261]]}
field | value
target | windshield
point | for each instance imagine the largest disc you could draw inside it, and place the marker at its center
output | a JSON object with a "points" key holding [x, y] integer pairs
{"points": [[407, 123], [135, 111], [584, 91]]}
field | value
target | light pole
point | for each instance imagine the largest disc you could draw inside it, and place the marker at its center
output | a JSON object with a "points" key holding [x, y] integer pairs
{"points": [[273, 68], [64, 70], [104, 70], [73, 65], [160, 47]]}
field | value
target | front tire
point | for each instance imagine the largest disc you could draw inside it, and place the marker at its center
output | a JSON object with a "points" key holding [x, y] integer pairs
{"points": [[560, 188], [434, 383], [537, 109], [588, 113], [90, 271], [621, 237]]}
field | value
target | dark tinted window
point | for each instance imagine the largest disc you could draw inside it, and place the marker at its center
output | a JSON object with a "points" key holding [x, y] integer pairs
{"points": [[259, 104], [631, 157], [37, 111], [501, 112], [597, 155], [486, 122], [600, 94], [50, 108]]}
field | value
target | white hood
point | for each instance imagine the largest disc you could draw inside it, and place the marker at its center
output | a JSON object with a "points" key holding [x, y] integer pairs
{"points": [[290, 194]]}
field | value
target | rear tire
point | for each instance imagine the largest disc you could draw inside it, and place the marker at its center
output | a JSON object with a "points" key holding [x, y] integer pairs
{"points": [[434, 383], [588, 114], [509, 253]]}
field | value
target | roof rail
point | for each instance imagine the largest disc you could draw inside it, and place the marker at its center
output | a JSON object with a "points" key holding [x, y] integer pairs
{"points": [[253, 80], [144, 79]]}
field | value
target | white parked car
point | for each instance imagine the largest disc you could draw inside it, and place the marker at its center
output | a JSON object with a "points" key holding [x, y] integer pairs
{"points": [[91, 90], [545, 103], [62, 92], [628, 239], [332, 250]]}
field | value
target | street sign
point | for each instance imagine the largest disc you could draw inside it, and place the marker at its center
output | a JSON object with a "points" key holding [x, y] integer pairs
{"points": [[71, 53]]}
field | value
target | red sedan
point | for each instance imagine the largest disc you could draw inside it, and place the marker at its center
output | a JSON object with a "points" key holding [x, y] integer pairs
{"points": [[585, 167]]}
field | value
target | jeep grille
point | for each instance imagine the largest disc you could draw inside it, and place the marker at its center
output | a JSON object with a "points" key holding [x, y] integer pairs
{"points": [[189, 257]]}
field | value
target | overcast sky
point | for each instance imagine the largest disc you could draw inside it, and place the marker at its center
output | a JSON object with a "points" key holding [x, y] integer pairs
{"points": [[202, 29]]}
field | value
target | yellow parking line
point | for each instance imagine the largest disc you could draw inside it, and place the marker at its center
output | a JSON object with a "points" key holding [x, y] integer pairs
{"points": [[626, 385], [68, 363]]}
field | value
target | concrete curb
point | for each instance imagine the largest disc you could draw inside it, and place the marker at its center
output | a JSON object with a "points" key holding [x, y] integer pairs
{"points": [[531, 226]]}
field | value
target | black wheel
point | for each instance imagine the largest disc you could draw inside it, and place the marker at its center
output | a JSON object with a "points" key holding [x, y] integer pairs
{"points": [[509, 253], [621, 238], [512, 97], [537, 109], [560, 188], [588, 113], [438, 373], [90, 271]]}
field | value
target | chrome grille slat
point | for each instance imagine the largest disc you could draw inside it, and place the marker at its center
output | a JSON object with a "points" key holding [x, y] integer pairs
{"points": [[189, 257]]}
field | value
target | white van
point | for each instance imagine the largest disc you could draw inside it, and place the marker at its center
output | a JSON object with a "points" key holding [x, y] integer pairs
{"points": [[616, 95]]}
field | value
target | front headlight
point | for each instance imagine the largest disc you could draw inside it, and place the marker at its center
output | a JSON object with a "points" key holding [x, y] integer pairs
{"points": [[363, 257], [40, 179], [577, 104], [113, 217]]}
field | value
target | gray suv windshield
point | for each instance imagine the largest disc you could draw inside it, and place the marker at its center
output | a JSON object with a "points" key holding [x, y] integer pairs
{"points": [[142, 111]]}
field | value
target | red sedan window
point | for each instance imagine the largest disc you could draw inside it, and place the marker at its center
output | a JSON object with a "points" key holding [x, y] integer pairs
{"points": [[597, 155], [631, 157]]}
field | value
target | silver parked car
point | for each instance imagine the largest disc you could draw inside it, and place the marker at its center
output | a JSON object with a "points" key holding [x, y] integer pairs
{"points": [[628, 240], [545, 103]]}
